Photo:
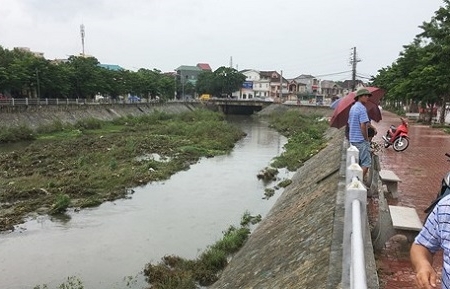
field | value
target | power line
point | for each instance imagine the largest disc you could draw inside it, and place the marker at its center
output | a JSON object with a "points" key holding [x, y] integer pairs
{"points": [[336, 73]]}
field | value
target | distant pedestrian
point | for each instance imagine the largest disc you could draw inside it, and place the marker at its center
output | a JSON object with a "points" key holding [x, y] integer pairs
{"points": [[358, 124]]}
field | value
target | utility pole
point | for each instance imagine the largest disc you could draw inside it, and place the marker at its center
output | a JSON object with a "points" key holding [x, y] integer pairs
{"points": [[281, 84], [354, 59]]}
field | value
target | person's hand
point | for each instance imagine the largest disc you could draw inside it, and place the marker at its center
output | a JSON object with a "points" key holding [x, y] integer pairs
{"points": [[426, 277]]}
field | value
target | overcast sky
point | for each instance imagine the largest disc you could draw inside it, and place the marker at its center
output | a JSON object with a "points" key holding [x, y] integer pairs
{"points": [[293, 36]]}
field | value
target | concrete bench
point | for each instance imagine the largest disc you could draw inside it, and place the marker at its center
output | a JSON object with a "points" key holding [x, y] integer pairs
{"points": [[405, 221], [412, 115], [391, 180]]}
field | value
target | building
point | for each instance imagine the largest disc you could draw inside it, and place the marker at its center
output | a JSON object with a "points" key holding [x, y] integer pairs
{"points": [[27, 49], [187, 76], [253, 86], [113, 67]]}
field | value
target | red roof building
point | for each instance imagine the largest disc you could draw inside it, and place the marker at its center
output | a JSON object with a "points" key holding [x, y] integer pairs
{"points": [[204, 66]]}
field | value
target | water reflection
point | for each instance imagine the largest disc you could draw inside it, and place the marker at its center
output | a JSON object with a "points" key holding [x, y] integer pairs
{"points": [[181, 216]]}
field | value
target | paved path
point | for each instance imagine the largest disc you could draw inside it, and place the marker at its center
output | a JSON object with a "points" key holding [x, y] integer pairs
{"points": [[421, 168]]}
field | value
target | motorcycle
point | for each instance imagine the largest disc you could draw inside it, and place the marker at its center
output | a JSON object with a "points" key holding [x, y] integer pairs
{"points": [[397, 137], [445, 190]]}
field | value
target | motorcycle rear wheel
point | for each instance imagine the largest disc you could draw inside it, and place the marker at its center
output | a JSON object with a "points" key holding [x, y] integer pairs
{"points": [[386, 140], [400, 144]]}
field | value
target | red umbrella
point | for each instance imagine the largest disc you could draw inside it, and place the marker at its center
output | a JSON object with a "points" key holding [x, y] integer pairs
{"points": [[340, 116]]}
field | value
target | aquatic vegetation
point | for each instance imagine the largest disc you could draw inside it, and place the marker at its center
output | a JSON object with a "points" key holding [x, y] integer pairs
{"points": [[174, 272], [104, 159], [305, 135]]}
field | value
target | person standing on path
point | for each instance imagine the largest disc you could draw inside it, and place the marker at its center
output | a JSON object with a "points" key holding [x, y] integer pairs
{"points": [[358, 124], [434, 235]]}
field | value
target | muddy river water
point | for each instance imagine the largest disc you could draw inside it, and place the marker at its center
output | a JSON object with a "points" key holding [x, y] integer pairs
{"points": [[182, 216]]}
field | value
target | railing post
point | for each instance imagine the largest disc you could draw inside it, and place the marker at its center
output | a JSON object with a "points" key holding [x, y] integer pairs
{"points": [[355, 190], [352, 151], [353, 170]]}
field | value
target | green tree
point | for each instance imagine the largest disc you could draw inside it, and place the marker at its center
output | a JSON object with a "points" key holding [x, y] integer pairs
{"points": [[85, 76], [205, 83], [166, 87], [226, 81], [421, 73]]}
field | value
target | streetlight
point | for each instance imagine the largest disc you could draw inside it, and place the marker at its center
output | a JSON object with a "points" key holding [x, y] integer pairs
{"points": [[38, 84], [175, 88], [182, 84]]}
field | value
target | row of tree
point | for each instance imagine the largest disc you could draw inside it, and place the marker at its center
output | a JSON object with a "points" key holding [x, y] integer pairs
{"points": [[22, 74], [421, 74]]}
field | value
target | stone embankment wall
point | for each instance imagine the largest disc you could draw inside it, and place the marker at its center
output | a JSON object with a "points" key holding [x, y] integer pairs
{"points": [[34, 116]]}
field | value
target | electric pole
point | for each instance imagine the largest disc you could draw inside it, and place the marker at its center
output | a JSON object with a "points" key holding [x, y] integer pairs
{"points": [[353, 61], [281, 84]]}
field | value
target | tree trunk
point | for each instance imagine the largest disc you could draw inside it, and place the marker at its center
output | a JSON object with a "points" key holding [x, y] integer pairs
{"points": [[442, 114]]}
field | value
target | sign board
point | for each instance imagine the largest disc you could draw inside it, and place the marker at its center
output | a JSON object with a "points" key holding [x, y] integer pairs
{"points": [[247, 84]]}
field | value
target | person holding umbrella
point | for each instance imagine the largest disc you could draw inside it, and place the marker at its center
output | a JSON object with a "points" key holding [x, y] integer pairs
{"points": [[358, 125]]}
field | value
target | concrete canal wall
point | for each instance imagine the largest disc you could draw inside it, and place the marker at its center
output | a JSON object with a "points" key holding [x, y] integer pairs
{"points": [[34, 116]]}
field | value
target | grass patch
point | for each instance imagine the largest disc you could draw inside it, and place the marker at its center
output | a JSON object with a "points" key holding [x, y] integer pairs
{"points": [[173, 272], [16, 134], [305, 135], [60, 205], [284, 183]]}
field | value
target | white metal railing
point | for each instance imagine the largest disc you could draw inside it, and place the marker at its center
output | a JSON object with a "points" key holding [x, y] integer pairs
{"points": [[357, 264], [354, 269], [69, 101]]}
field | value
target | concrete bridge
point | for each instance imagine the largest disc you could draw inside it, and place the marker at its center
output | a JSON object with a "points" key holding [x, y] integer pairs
{"points": [[238, 106]]}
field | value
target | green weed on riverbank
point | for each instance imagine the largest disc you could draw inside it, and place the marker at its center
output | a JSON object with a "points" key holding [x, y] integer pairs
{"points": [[305, 135], [94, 161]]}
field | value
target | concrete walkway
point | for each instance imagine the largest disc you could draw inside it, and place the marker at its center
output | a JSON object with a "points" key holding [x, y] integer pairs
{"points": [[421, 168]]}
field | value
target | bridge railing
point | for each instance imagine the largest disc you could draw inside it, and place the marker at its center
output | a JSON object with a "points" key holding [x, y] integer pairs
{"points": [[355, 219], [68, 101]]}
